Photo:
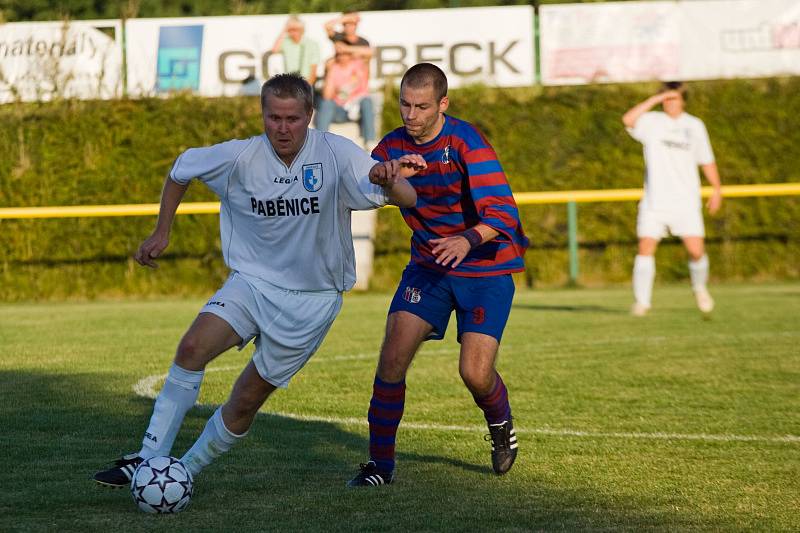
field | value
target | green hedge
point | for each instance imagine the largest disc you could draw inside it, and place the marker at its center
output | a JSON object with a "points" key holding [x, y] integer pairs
{"points": [[20, 10], [572, 138], [74, 153]]}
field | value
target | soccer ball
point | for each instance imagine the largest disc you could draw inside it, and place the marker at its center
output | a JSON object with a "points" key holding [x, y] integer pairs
{"points": [[161, 485]]}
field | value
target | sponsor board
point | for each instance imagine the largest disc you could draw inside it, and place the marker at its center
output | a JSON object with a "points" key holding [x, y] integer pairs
{"points": [[619, 42], [226, 56], [46, 60]]}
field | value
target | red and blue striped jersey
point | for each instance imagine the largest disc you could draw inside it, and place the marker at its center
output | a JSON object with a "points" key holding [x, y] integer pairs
{"points": [[463, 185]]}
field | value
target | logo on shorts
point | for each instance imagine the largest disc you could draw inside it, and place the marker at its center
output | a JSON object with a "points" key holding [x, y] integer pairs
{"points": [[412, 295], [312, 177], [478, 315]]}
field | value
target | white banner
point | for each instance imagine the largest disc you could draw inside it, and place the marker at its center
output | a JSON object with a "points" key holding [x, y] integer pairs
{"points": [[45, 60], [740, 38], [225, 56], [689, 40], [609, 42]]}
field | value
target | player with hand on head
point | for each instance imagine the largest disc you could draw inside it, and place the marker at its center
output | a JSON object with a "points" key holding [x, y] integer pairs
{"points": [[675, 143], [467, 240], [286, 201]]}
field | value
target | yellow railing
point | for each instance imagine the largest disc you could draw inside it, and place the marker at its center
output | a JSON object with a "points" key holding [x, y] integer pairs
{"points": [[571, 198], [622, 195], [524, 198]]}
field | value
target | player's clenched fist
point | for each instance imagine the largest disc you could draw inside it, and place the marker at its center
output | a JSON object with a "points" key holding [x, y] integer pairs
{"points": [[150, 249]]}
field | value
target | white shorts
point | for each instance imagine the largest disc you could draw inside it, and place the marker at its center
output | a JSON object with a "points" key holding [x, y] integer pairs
{"points": [[677, 222], [288, 326]]}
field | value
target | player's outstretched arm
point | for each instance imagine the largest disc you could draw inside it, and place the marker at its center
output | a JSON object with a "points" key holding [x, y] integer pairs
{"points": [[154, 245]]}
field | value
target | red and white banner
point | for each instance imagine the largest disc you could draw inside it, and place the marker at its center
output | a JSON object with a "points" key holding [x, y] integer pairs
{"points": [[609, 42], [46, 60], [641, 41], [740, 39]]}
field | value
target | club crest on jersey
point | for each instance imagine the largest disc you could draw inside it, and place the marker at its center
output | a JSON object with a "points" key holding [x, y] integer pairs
{"points": [[312, 177], [412, 295], [446, 155]]}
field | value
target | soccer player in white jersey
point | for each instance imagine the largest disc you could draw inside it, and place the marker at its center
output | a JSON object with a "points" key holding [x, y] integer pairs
{"points": [[675, 143], [286, 198]]}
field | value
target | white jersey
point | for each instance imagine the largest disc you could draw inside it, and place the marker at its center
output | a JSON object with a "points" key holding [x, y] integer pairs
{"points": [[287, 226], [673, 148]]}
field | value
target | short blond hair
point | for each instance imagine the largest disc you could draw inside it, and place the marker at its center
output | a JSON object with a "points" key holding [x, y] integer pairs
{"points": [[295, 21]]}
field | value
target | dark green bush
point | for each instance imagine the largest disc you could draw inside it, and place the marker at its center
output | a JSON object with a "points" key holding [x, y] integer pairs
{"points": [[76, 153], [17, 10], [572, 138]]}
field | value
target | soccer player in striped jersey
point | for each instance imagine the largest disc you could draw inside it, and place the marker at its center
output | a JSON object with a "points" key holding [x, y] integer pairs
{"points": [[467, 241]]}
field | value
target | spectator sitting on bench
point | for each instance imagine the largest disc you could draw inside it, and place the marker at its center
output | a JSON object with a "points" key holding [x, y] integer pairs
{"points": [[345, 95]]}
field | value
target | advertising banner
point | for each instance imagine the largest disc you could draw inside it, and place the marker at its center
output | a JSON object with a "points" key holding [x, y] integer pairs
{"points": [[740, 38], [45, 60], [225, 56], [688, 40], [609, 42]]}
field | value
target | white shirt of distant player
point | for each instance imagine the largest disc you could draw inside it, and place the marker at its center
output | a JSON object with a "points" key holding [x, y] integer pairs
{"points": [[673, 149], [287, 226]]}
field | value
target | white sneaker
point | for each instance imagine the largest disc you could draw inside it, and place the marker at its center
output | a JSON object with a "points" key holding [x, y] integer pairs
{"points": [[638, 309], [704, 301]]}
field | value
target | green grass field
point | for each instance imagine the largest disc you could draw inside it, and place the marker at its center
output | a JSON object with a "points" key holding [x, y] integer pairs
{"points": [[665, 423]]}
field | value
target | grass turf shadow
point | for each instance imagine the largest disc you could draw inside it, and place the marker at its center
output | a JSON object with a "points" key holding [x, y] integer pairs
{"points": [[286, 475]]}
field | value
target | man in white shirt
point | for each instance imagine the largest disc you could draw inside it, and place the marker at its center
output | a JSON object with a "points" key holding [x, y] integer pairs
{"points": [[300, 53], [285, 203], [675, 143]]}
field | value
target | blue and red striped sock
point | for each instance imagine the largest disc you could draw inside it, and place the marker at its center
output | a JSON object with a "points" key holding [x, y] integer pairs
{"points": [[495, 406], [385, 412]]}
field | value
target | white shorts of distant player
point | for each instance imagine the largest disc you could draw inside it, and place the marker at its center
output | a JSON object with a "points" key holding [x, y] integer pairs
{"points": [[288, 326], [677, 222]]}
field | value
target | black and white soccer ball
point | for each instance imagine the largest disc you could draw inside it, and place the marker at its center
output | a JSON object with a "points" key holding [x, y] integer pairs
{"points": [[161, 485]]}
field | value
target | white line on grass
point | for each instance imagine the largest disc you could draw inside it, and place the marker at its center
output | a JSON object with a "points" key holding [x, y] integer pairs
{"points": [[146, 387]]}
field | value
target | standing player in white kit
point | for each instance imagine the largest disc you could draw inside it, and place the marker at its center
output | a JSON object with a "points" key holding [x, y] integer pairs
{"points": [[675, 143], [286, 198]]}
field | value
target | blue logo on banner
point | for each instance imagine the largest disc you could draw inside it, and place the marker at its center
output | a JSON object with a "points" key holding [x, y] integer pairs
{"points": [[312, 177], [179, 50]]}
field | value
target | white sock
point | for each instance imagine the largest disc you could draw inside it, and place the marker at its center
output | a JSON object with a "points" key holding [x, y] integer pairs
{"points": [[698, 272], [176, 397], [215, 440], [644, 272]]}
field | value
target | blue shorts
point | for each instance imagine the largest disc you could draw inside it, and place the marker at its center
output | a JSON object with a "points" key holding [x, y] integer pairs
{"points": [[482, 305]]}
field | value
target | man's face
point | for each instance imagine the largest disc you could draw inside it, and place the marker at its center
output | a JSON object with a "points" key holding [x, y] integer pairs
{"points": [[286, 124], [674, 106], [421, 112], [295, 32], [350, 23], [343, 58]]}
